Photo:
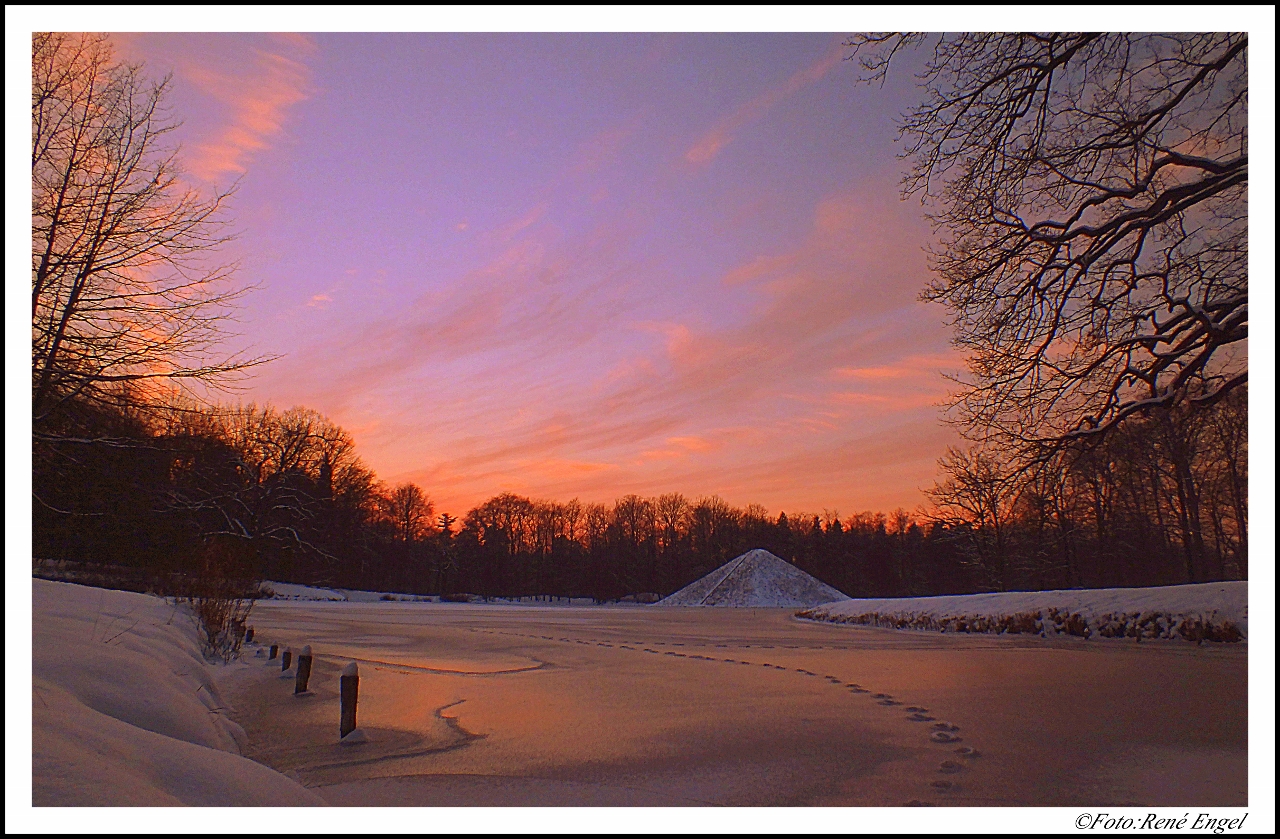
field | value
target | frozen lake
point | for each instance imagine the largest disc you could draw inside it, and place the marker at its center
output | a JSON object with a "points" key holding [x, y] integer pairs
{"points": [[649, 706]]}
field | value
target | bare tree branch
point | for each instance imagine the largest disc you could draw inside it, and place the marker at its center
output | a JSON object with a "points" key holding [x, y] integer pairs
{"points": [[125, 286], [1091, 190]]}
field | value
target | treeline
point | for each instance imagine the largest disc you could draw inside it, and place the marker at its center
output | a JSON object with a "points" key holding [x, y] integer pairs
{"points": [[284, 496], [272, 494], [1161, 499]]}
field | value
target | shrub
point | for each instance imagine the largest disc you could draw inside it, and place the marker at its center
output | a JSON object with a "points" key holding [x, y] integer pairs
{"points": [[220, 596]]}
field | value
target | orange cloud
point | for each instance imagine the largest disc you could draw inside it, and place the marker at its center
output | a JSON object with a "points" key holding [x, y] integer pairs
{"points": [[531, 374], [678, 447], [259, 97], [711, 144], [911, 367]]}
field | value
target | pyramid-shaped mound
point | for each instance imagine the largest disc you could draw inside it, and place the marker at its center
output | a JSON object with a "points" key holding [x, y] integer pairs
{"points": [[755, 579]]}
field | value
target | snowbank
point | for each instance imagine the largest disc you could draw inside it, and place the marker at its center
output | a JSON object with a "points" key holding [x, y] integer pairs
{"points": [[1202, 612], [757, 578], [294, 591], [124, 712]]}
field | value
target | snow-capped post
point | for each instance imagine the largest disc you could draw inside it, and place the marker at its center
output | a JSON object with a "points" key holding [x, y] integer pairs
{"points": [[248, 635], [286, 659], [349, 690], [304, 671], [273, 652]]}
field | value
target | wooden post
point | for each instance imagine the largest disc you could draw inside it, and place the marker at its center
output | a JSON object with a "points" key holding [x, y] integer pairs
{"points": [[349, 690], [304, 671], [248, 635], [275, 650], [286, 659]]}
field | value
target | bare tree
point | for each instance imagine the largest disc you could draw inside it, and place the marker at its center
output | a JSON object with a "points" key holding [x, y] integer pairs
{"points": [[672, 511], [265, 477], [1229, 434], [125, 294], [595, 525], [410, 510], [976, 501], [1091, 189]]}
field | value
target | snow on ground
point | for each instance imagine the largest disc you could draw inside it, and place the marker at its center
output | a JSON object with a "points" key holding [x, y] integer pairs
{"points": [[755, 579], [294, 591], [542, 600], [1201, 612], [125, 711]]}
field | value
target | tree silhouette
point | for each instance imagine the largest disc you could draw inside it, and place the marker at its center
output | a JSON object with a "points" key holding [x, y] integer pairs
{"points": [[410, 511], [1091, 192], [126, 296]]}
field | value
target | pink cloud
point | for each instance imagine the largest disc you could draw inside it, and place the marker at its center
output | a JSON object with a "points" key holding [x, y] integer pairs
{"points": [[525, 221], [677, 448], [603, 148], [532, 374], [840, 348], [258, 95], [714, 141], [911, 367], [759, 267]]}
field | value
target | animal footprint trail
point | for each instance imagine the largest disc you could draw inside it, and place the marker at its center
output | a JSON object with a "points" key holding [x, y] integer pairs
{"points": [[942, 733]]}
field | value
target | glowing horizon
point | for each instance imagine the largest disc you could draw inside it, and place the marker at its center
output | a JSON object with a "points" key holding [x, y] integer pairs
{"points": [[579, 265]]}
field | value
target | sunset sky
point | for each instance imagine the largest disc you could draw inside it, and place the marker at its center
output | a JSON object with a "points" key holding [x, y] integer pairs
{"points": [[579, 265]]}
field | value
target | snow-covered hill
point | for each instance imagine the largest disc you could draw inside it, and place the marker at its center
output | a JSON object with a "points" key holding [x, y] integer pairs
{"points": [[755, 579]]}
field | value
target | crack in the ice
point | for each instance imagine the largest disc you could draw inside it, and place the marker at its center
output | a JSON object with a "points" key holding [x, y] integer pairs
{"points": [[381, 665], [466, 738]]}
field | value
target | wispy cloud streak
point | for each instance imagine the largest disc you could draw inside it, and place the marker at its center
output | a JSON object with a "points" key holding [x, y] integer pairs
{"points": [[477, 255], [835, 346], [258, 95], [714, 141]]}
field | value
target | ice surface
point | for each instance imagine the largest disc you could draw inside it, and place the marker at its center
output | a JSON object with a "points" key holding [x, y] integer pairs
{"points": [[653, 706], [125, 712], [755, 579]]}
